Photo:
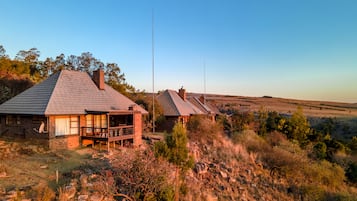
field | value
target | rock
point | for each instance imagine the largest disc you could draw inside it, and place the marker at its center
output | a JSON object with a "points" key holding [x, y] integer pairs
{"points": [[14, 195], [200, 168], [93, 176], [2, 191], [82, 197], [211, 197], [43, 167], [3, 174], [70, 191], [232, 180], [96, 197], [74, 182], [40, 149], [84, 180], [223, 174]]}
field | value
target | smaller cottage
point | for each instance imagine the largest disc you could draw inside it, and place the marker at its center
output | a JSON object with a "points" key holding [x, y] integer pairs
{"points": [[177, 107], [72, 108]]}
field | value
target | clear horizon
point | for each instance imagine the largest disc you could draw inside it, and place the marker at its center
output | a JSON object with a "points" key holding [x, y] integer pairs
{"points": [[289, 49]]}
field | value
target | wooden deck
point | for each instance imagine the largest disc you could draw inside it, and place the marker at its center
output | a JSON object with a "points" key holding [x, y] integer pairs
{"points": [[91, 135]]}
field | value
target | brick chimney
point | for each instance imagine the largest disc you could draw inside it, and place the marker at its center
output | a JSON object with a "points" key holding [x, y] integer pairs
{"points": [[182, 93], [98, 78], [202, 99]]}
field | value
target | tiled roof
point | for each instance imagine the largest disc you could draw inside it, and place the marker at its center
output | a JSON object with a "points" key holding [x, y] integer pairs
{"points": [[174, 105], [67, 92], [204, 108]]}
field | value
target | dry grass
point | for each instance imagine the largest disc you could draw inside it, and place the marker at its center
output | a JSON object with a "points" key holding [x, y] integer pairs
{"points": [[286, 106]]}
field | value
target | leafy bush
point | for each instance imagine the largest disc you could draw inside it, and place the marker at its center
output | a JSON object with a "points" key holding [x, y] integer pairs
{"points": [[320, 150]]}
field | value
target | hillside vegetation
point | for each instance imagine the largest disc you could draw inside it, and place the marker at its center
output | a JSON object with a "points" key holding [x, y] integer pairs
{"points": [[238, 164]]}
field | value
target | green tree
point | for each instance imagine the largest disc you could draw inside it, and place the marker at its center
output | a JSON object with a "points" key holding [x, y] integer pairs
{"points": [[146, 101], [72, 62], [176, 152], [262, 119], [60, 63], [272, 121], [298, 127], [30, 57], [85, 62], [47, 67], [116, 79], [3, 52]]}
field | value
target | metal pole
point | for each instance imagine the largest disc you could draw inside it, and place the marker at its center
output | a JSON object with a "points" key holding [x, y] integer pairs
{"points": [[153, 73], [204, 82]]}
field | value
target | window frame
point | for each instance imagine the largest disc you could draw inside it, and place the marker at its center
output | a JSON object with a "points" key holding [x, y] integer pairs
{"points": [[72, 125]]}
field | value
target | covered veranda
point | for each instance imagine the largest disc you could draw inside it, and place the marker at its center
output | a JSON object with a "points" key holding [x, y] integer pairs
{"points": [[108, 127]]}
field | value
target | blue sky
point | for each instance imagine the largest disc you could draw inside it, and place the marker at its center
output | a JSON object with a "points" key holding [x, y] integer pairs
{"points": [[303, 49]]}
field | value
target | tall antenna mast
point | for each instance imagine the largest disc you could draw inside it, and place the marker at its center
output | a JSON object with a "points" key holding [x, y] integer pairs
{"points": [[204, 82], [153, 71]]}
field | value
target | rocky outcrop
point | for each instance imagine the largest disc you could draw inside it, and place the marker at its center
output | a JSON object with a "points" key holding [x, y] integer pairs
{"points": [[224, 172]]}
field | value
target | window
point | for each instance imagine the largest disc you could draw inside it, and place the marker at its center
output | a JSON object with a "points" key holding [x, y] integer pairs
{"points": [[96, 121], [104, 122], [12, 120], [67, 125], [74, 125], [89, 122]]}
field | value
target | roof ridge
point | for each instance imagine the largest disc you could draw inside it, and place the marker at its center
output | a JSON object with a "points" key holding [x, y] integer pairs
{"points": [[172, 100], [53, 89]]}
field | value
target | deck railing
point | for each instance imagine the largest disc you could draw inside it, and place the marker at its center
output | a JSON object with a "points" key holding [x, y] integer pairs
{"points": [[107, 133]]}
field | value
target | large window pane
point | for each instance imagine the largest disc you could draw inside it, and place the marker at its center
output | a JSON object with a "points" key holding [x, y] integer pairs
{"points": [[66, 125]]}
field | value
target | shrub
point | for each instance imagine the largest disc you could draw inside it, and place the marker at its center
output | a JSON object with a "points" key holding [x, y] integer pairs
{"points": [[310, 192], [284, 162], [276, 138], [143, 177], [201, 128], [325, 173], [351, 172], [320, 150], [251, 141]]}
